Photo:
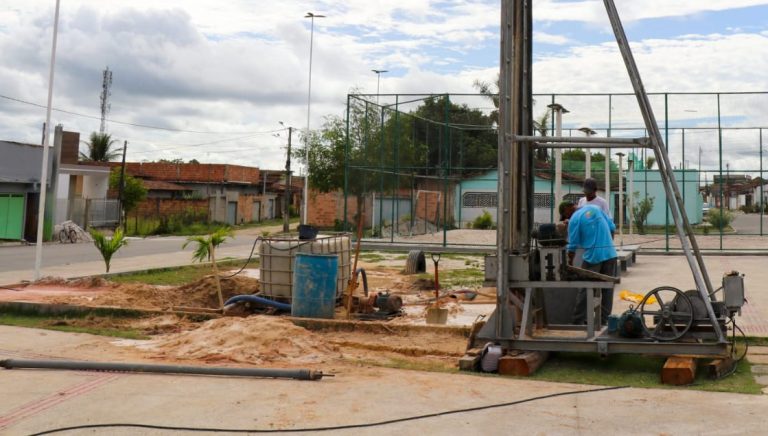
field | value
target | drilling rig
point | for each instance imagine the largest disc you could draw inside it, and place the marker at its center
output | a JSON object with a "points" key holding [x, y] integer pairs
{"points": [[531, 265]]}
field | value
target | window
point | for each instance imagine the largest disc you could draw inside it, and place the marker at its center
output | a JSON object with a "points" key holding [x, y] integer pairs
{"points": [[479, 200], [542, 201]]}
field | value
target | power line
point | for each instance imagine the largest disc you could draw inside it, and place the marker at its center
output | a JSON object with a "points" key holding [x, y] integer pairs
{"points": [[176, 147], [125, 123]]}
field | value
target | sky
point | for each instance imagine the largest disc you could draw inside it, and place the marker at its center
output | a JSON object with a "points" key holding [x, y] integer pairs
{"points": [[212, 80]]}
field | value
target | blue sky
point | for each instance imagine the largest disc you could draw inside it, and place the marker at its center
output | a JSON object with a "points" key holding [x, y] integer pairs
{"points": [[235, 69]]}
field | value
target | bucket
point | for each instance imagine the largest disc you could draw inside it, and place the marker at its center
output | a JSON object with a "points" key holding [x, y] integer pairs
{"points": [[314, 285]]}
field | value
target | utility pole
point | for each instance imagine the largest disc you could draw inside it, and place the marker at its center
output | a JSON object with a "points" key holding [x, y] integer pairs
{"points": [[121, 188], [286, 209], [305, 199]]}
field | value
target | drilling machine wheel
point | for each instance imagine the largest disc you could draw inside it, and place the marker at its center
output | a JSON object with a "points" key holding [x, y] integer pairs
{"points": [[673, 317]]}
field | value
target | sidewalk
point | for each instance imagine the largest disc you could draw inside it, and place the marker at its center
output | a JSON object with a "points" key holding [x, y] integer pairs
{"points": [[37, 400]]}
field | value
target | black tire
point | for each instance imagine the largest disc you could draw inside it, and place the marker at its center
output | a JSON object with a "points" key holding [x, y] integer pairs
{"points": [[63, 236], [416, 262]]}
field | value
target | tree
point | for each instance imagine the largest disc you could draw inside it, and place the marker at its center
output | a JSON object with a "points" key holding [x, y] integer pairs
{"points": [[649, 162], [194, 161], [491, 92], [640, 211], [541, 126], [108, 246], [100, 148], [206, 250], [133, 192]]}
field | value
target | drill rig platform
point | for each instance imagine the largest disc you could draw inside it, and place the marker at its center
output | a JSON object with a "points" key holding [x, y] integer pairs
{"points": [[530, 264]]}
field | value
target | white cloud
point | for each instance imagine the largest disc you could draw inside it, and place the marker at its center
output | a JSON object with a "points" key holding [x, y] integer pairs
{"points": [[241, 66]]}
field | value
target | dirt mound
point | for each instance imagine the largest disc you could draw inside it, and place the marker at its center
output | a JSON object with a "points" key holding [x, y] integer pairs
{"points": [[202, 293], [256, 340]]}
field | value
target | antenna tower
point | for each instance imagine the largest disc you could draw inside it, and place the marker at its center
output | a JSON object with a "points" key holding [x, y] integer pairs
{"points": [[106, 85]]}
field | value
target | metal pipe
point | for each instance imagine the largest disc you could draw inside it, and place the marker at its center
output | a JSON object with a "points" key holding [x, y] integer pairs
{"points": [[581, 139], [77, 365], [541, 144]]}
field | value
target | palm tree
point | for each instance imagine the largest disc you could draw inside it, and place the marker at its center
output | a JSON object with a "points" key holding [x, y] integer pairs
{"points": [[491, 92], [100, 148], [541, 126], [206, 250]]}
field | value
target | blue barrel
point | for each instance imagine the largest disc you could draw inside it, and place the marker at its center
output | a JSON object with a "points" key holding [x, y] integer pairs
{"points": [[314, 285]]}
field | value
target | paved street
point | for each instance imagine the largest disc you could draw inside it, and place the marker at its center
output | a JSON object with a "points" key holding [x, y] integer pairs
{"points": [[74, 260], [38, 400], [749, 224]]}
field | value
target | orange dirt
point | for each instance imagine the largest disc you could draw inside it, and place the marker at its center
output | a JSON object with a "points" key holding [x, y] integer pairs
{"points": [[201, 293]]}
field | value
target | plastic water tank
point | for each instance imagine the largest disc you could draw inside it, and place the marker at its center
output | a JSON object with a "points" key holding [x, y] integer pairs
{"points": [[277, 259]]}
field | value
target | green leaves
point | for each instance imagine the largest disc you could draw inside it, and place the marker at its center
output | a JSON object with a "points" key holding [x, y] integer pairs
{"points": [[134, 191], [207, 244], [100, 148], [108, 246]]}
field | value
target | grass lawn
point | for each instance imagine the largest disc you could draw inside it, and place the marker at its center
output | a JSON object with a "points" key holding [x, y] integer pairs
{"points": [[175, 276], [636, 371], [61, 324]]}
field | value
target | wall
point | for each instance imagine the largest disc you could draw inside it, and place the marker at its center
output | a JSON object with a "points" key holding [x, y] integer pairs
{"points": [[325, 208], [488, 184], [689, 189], [165, 207], [199, 173], [95, 185]]}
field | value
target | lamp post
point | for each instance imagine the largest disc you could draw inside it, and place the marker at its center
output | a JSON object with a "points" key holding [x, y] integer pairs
{"points": [[378, 82], [559, 110], [588, 158], [305, 198], [621, 197], [46, 140], [631, 165]]}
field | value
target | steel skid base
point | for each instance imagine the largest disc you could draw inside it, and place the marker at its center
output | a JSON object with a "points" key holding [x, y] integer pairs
{"points": [[501, 329]]}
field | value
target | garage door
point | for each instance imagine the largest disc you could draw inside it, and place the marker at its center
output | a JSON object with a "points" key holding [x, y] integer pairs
{"points": [[11, 216]]}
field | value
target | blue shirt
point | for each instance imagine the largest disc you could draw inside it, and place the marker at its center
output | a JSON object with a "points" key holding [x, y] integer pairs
{"points": [[590, 228]]}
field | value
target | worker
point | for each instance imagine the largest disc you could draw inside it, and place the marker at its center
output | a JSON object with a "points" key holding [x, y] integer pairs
{"points": [[590, 197], [566, 208], [591, 229]]}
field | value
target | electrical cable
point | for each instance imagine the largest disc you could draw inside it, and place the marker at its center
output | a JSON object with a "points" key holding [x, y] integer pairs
{"points": [[247, 261], [125, 123], [329, 428]]}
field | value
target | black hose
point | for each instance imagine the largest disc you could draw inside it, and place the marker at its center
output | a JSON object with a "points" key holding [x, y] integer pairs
{"points": [[76, 365], [329, 428]]}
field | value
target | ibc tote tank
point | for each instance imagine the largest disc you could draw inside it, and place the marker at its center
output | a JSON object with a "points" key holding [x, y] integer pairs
{"points": [[277, 259]]}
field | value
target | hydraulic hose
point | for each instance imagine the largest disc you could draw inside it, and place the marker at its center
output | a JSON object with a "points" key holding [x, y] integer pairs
{"points": [[259, 300], [75, 365]]}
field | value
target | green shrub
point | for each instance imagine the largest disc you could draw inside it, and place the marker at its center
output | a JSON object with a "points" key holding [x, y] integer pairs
{"points": [[108, 246], [719, 218], [640, 211], [484, 221]]}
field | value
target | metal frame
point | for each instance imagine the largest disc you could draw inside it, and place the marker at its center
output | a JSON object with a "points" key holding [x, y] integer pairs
{"points": [[515, 211]]}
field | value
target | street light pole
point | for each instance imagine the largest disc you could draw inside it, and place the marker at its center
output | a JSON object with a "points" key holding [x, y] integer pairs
{"points": [[305, 198], [588, 157], [621, 198], [559, 111], [46, 140], [378, 82]]}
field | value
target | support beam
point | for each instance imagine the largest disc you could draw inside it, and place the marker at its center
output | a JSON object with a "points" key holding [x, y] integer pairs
{"points": [[630, 142], [679, 371]]}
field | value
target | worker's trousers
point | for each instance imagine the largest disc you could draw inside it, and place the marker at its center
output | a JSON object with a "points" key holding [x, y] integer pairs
{"points": [[608, 268]]}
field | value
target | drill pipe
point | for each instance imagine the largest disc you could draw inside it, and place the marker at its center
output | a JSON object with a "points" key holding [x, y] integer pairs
{"points": [[76, 365]]}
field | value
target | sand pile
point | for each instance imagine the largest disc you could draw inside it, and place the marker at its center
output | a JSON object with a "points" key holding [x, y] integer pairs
{"points": [[255, 340], [201, 293]]}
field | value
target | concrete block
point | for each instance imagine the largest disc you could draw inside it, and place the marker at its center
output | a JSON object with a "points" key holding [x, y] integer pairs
{"points": [[757, 350], [762, 380], [760, 369]]}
